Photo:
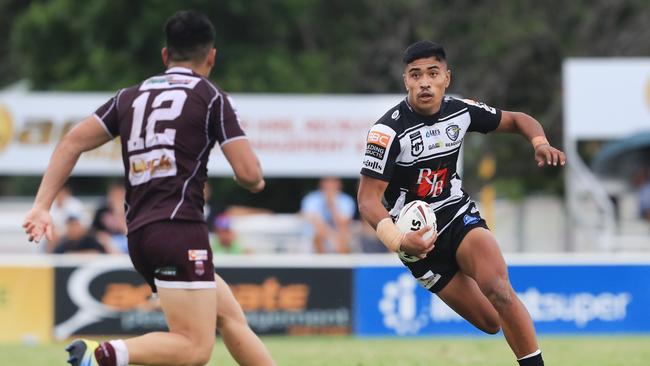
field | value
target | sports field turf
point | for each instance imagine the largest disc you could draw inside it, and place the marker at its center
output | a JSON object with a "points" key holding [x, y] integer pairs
{"points": [[340, 351]]}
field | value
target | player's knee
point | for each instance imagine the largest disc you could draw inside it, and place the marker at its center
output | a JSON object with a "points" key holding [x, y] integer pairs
{"points": [[499, 292], [200, 355], [491, 326]]}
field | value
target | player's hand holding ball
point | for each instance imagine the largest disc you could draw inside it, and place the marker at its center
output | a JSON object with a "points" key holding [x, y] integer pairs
{"points": [[418, 221]]}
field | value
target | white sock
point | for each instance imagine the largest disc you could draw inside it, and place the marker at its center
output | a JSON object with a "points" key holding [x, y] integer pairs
{"points": [[121, 352], [519, 359]]}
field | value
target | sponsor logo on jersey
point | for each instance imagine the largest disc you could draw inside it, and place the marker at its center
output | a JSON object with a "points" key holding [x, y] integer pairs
{"points": [[417, 145], [199, 268], [375, 151], [480, 105], [429, 279], [470, 220], [170, 81], [431, 183], [373, 165], [453, 132], [378, 138], [197, 255], [152, 164], [395, 115], [432, 133], [166, 271]]}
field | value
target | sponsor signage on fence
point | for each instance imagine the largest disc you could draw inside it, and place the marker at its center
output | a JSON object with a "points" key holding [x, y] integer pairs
{"points": [[111, 298], [294, 300], [25, 304], [293, 135], [560, 299]]}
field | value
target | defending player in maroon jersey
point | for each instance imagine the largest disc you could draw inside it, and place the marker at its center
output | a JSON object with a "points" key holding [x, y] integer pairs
{"points": [[167, 124]]}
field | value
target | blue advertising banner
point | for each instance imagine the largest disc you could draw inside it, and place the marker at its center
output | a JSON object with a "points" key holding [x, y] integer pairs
{"points": [[560, 299]]}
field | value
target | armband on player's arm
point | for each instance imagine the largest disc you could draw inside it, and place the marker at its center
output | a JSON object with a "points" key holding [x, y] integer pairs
{"points": [[389, 234], [538, 141]]}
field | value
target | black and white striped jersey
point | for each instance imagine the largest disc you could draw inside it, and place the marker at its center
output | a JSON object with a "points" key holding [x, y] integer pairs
{"points": [[418, 154]]}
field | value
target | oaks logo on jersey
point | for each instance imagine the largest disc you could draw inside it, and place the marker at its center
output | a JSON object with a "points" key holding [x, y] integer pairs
{"points": [[373, 165], [395, 115], [453, 132], [417, 145], [431, 183]]}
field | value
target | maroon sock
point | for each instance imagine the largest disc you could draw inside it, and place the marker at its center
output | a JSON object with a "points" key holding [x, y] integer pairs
{"points": [[105, 354]]}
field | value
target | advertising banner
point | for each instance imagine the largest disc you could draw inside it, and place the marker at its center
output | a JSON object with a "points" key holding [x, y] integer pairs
{"points": [[111, 298], [293, 135], [293, 300], [560, 298], [26, 304]]}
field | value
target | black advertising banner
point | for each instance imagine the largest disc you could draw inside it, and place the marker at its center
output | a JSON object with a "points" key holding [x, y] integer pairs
{"points": [[103, 299], [293, 300], [107, 298]]}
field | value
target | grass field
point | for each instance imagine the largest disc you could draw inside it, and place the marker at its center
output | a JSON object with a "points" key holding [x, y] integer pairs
{"points": [[341, 351]]}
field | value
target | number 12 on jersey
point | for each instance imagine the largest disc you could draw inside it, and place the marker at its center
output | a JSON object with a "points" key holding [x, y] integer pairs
{"points": [[136, 142], [160, 162]]}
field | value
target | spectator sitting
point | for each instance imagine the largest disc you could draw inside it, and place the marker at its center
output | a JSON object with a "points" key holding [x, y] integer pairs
{"points": [[64, 206], [77, 239], [109, 223], [224, 240], [330, 212]]}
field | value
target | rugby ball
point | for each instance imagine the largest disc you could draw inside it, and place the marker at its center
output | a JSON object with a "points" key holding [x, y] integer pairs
{"points": [[412, 217]]}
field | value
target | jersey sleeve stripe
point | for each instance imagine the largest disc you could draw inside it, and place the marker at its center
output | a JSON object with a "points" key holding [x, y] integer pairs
{"points": [[234, 139], [453, 115], [375, 175], [101, 122]]}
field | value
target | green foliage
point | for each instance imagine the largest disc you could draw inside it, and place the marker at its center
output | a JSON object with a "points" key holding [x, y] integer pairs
{"points": [[508, 54]]}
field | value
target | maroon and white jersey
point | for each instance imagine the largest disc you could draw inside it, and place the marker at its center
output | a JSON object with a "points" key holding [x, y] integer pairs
{"points": [[417, 155], [167, 126]]}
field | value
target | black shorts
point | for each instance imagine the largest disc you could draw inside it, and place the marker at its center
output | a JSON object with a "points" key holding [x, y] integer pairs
{"points": [[438, 268], [173, 254]]}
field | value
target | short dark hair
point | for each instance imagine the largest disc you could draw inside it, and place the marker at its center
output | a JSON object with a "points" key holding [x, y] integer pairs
{"points": [[424, 49], [190, 35]]}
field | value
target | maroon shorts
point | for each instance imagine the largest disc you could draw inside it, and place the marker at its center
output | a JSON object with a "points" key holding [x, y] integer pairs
{"points": [[173, 254]]}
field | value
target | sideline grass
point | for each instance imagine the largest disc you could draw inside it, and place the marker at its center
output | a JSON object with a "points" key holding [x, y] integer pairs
{"points": [[342, 351]]}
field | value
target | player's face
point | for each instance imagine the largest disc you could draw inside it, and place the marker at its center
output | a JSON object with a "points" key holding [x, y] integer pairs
{"points": [[426, 80]]}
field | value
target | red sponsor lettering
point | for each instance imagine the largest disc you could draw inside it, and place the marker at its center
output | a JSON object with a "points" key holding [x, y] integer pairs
{"points": [[431, 182]]}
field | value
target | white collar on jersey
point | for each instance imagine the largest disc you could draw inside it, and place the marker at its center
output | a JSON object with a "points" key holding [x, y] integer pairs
{"points": [[179, 69]]}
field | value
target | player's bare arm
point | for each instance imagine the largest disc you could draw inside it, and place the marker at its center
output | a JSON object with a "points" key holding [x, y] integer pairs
{"points": [[532, 130], [369, 200], [85, 136], [243, 160]]}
